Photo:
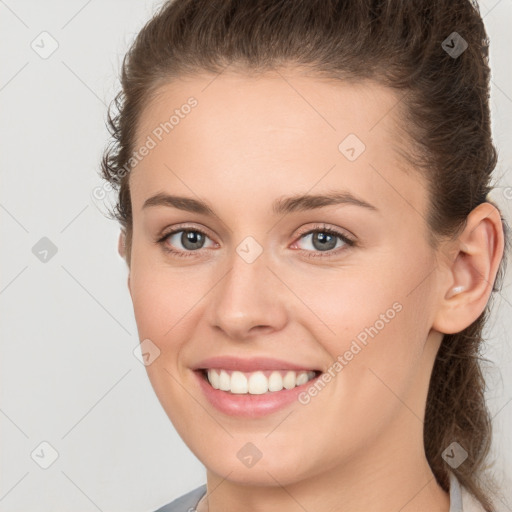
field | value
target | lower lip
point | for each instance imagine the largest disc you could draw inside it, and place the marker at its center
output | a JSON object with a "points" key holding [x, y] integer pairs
{"points": [[247, 405]]}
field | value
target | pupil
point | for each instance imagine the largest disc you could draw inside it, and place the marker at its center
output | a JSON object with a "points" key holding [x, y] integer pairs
{"points": [[323, 238], [191, 237]]}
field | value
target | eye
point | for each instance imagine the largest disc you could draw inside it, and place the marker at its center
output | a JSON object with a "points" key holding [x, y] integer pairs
{"points": [[322, 239], [192, 240], [325, 240]]}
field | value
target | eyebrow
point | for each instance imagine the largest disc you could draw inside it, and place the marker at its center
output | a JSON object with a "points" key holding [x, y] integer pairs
{"points": [[281, 206]]}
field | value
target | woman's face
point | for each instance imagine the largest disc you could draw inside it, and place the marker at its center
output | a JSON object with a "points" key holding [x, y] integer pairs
{"points": [[257, 276]]}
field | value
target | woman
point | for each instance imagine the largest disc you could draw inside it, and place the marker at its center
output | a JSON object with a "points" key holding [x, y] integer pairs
{"points": [[303, 196]]}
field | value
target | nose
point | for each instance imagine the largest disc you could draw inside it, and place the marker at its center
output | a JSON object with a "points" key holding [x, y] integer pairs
{"points": [[248, 300]]}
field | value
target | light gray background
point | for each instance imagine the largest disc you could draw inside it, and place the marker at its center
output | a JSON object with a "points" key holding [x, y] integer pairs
{"points": [[68, 372]]}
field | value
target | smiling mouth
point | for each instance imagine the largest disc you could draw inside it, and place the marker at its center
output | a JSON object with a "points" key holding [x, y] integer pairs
{"points": [[258, 382]]}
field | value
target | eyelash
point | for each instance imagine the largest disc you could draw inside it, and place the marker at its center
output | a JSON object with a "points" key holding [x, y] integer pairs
{"points": [[311, 254]]}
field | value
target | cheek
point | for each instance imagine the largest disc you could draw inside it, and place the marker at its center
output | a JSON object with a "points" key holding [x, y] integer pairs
{"points": [[161, 300], [373, 331], [163, 309], [376, 355], [374, 324]]}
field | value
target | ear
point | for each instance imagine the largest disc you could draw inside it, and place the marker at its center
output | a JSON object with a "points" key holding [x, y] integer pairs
{"points": [[121, 244], [121, 249], [471, 268]]}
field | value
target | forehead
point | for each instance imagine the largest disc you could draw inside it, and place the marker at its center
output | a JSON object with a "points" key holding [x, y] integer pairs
{"points": [[281, 131]]}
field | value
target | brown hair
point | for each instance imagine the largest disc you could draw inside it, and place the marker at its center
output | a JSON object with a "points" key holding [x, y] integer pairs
{"points": [[444, 105]]}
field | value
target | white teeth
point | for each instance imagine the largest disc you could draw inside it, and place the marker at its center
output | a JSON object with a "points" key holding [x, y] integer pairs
{"points": [[224, 381], [238, 382], [289, 380], [213, 377], [275, 382], [257, 383], [302, 378]]}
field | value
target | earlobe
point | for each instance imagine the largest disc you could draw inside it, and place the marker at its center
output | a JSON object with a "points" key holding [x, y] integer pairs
{"points": [[471, 273], [121, 244], [121, 248]]}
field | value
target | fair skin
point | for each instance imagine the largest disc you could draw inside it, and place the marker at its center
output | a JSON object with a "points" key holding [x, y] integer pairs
{"points": [[358, 444]]}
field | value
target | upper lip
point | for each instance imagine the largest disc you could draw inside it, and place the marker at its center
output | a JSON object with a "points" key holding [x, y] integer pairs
{"points": [[249, 365]]}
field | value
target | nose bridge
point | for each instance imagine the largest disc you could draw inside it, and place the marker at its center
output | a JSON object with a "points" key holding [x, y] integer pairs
{"points": [[247, 295]]}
